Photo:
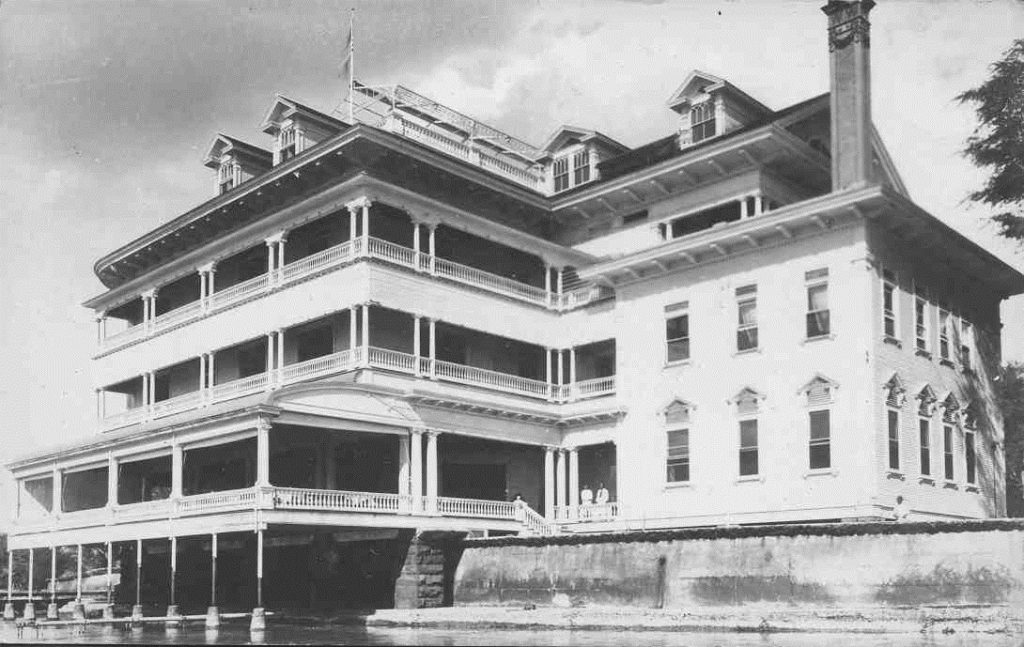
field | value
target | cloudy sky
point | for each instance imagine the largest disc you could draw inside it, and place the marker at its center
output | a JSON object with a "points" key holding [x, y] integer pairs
{"points": [[107, 108]]}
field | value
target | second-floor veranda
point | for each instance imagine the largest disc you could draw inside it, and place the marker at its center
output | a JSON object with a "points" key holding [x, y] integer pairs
{"points": [[332, 238]]}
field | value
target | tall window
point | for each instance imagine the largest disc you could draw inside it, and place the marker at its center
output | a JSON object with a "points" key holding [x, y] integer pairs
{"points": [[226, 176], [818, 324], [889, 303], [746, 308], [747, 409], [677, 332], [966, 335], [945, 322], [702, 121], [947, 452], [970, 456], [820, 444], [581, 167], [894, 440], [561, 172], [677, 422], [921, 322], [925, 433]]}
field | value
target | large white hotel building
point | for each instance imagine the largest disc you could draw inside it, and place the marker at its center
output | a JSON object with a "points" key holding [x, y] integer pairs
{"points": [[399, 324]]}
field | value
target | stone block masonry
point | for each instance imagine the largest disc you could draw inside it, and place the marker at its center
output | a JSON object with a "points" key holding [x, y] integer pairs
{"points": [[827, 565], [426, 576]]}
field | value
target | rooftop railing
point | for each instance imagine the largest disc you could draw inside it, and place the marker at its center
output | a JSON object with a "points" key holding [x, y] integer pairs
{"points": [[347, 252]]}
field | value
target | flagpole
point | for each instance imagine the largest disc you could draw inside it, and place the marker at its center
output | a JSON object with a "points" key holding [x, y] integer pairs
{"points": [[351, 62]]}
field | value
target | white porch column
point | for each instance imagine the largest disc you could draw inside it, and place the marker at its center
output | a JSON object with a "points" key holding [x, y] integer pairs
{"points": [[758, 204], [202, 286], [560, 498], [270, 258], [403, 465], [547, 371], [174, 567], [416, 244], [547, 281], [152, 388], [110, 572], [280, 355], [352, 223], [202, 376], [561, 368], [112, 480], [561, 279], [365, 206], [177, 467], [101, 326], [432, 245], [431, 480], [138, 572], [57, 505], [433, 349], [744, 212], [416, 350], [366, 325], [280, 252], [10, 574], [270, 360], [78, 587], [572, 371], [53, 574], [549, 482], [574, 481], [262, 452], [211, 373], [259, 568], [352, 328], [416, 464], [31, 571]]}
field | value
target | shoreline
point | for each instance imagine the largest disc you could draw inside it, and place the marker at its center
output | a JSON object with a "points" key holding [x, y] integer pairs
{"points": [[748, 619]]}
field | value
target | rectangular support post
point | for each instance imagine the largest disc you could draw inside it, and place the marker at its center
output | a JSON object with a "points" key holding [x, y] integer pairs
{"points": [[259, 568], [110, 572], [31, 571], [53, 574], [574, 481], [78, 587], [549, 482], [138, 572], [213, 570], [174, 567]]}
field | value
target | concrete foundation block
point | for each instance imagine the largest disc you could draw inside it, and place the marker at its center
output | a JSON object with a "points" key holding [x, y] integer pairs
{"points": [[52, 611], [259, 620], [9, 611], [78, 611], [108, 612], [212, 618], [174, 616], [137, 612], [30, 611]]}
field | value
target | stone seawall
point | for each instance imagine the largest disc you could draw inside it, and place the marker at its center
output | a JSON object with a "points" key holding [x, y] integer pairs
{"points": [[840, 565]]}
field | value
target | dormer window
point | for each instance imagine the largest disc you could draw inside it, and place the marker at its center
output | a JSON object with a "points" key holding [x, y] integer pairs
{"points": [[226, 176], [702, 121], [561, 173], [286, 145], [581, 167]]}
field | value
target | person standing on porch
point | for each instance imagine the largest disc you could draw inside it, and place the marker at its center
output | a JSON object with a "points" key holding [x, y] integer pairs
{"points": [[602, 500], [586, 500]]}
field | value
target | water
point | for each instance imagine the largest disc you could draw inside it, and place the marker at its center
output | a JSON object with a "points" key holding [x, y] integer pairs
{"points": [[238, 633]]}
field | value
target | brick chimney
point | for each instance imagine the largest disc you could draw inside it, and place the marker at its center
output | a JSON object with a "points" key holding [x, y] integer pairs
{"points": [[850, 81]]}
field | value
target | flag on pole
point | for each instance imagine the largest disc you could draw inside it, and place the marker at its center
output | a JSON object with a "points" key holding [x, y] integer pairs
{"points": [[348, 63]]}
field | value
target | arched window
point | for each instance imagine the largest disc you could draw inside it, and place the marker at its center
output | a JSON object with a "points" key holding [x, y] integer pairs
{"points": [[895, 397], [926, 400]]}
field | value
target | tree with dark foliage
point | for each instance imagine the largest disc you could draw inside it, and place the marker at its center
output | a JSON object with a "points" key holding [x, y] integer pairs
{"points": [[1010, 395], [997, 143]]}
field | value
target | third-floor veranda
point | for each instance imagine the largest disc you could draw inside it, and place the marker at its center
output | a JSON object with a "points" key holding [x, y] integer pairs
{"points": [[429, 246]]}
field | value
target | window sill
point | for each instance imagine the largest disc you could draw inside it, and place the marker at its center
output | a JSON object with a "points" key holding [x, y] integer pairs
{"points": [[950, 485], [748, 351], [947, 362], [926, 480], [922, 352], [892, 340], [750, 478], [972, 488], [828, 337], [677, 363], [824, 471], [677, 485], [895, 475]]}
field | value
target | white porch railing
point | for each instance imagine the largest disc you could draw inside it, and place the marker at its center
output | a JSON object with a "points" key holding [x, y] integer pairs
{"points": [[319, 367], [387, 251], [126, 417], [340, 500], [392, 360], [478, 508], [473, 376], [243, 498], [594, 512], [144, 509], [177, 404], [535, 523], [238, 292], [594, 388], [125, 336], [318, 262], [490, 282], [178, 315], [240, 387]]}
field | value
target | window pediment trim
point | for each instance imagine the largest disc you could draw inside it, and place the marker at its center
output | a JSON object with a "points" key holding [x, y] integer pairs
{"points": [[895, 390]]}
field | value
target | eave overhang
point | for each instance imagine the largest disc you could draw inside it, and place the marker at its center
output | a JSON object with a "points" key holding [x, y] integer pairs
{"points": [[359, 149]]}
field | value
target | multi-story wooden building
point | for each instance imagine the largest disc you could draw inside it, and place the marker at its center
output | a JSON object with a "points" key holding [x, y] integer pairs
{"points": [[400, 324]]}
